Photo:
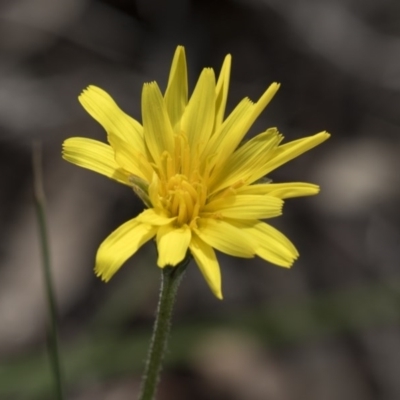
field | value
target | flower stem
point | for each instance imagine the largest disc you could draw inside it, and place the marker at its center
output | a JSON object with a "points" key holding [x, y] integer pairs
{"points": [[39, 198], [171, 278]]}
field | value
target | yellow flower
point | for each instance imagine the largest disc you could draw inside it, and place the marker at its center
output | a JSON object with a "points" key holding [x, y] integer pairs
{"points": [[203, 187]]}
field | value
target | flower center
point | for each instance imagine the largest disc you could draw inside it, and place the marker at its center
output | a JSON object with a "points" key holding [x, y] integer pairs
{"points": [[183, 199]]}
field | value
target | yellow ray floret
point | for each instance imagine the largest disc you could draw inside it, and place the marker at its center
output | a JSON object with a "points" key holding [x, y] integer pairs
{"points": [[200, 185]]}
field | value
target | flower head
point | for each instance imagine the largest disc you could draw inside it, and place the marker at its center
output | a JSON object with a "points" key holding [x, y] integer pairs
{"points": [[202, 186]]}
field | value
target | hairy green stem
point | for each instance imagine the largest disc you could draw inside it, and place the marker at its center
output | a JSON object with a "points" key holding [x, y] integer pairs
{"points": [[171, 278], [39, 198]]}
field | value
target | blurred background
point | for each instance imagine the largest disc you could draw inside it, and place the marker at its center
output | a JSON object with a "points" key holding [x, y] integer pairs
{"points": [[328, 329]]}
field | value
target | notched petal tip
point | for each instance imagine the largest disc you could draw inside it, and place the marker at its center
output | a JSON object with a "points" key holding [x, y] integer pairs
{"points": [[269, 94], [179, 50], [326, 134], [314, 190], [288, 264], [319, 137], [150, 85], [150, 89], [102, 276], [209, 72], [93, 90]]}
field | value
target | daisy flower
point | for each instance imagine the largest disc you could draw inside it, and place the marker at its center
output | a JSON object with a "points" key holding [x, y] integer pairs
{"points": [[202, 184]]}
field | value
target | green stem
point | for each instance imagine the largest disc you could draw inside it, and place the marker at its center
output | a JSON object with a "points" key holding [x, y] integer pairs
{"points": [[171, 278], [39, 199]]}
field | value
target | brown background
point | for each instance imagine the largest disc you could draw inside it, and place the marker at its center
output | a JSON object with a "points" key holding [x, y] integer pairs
{"points": [[325, 330]]}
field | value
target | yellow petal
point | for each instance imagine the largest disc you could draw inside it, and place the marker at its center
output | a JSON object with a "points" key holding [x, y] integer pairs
{"points": [[120, 245], [224, 237], [245, 207], [157, 128], [293, 149], [225, 140], [94, 155], [231, 140], [281, 190], [222, 91], [271, 245], [274, 243], [176, 95], [207, 262], [106, 112], [263, 102], [198, 119], [131, 160], [246, 162], [172, 244], [151, 217], [153, 192]]}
